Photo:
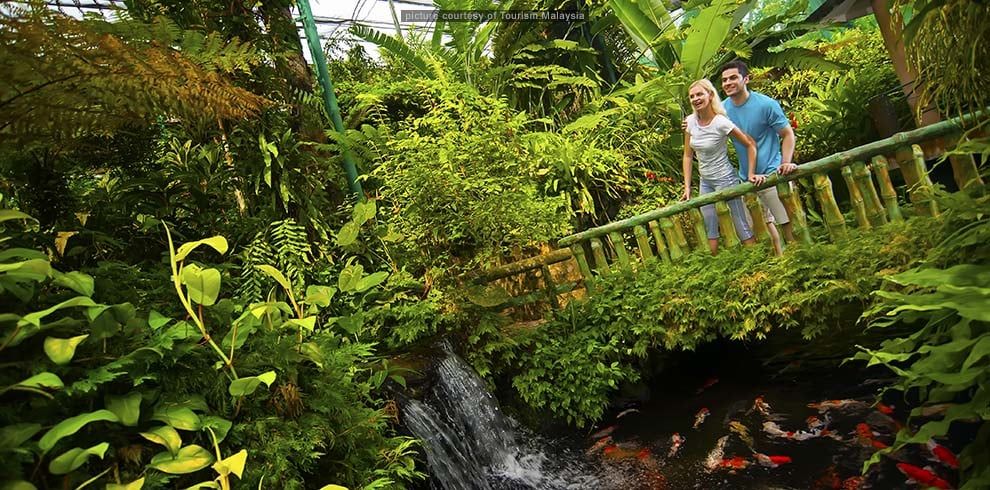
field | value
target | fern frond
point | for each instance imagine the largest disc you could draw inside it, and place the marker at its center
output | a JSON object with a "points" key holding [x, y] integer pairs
{"points": [[395, 46]]}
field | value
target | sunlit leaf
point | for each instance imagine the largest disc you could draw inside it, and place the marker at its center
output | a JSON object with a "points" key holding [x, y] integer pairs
{"points": [[179, 417], [203, 284], [75, 457], [61, 351], [277, 275], [44, 380], [72, 425], [218, 243], [134, 485], [247, 385], [76, 281], [126, 407], [232, 464], [348, 233], [165, 435], [189, 459]]}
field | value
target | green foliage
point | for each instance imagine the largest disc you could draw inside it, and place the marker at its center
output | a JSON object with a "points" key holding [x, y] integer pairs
{"points": [[576, 360], [946, 356]]}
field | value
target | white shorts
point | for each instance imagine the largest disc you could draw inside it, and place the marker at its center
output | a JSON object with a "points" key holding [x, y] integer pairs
{"points": [[773, 209]]}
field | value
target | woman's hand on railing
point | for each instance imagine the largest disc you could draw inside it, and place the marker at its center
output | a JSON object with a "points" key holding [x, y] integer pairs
{"points": [[686, 195], [757, 179], [786, 168]]}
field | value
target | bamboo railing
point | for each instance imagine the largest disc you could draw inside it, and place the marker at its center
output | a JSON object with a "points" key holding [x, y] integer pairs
{"points": [[662, 234]]}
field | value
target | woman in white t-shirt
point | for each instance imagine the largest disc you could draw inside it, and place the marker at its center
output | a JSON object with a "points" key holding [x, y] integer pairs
{"points": [[707, 134]]}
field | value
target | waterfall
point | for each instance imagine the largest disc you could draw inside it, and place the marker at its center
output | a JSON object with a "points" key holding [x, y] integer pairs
{"points": [[471, 445]]}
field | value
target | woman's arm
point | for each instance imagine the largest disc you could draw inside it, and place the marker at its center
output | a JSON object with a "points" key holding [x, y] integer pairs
{"points": [[744, 138], [686, 162]]}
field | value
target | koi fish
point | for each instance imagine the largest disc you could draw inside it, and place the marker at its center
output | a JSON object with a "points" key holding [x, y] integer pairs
{"points": [[866, 436], [771, 461], [922, 476], [942, 454], [774, 430], [827, 405], [676, 441], [615, 452], [814, 423], [603, 442], [604, 432], [700, 417], [761, 406], [743, 433], [626, 412], [736, 463], [708, 384], [853, 483], [714, 458], [884, 409]]}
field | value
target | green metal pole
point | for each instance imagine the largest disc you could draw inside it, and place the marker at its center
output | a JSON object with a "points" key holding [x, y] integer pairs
{"points": [[329, 98]]}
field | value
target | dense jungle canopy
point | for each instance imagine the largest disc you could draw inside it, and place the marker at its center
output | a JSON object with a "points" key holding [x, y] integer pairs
{"points": [[191, 296]]}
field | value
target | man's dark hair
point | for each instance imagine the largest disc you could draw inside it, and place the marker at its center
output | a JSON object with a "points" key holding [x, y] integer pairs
{"points": [[737, 64]]}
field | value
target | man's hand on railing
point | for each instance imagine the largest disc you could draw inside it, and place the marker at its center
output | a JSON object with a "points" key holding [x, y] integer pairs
{"points": [[757, 179], [686, 196], [786, 168]]}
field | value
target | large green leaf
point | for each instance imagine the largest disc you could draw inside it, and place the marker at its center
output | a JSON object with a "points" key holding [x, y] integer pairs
{"points": [[218, 243], [219, 426], [365, 211], [126, 407], [644, 20], [44, 380], [178, 417], [72, 425], [76, 281], [396, 47], [247, 385], [705, 36], [370, 281], [9, 214], [12, 436], [61, 351], [320, 295], [17, 485], [348, 233], [189, 459], [75, 457], [36, 317], [277, 275], [349, 277], [203, 284], [165, 435]]}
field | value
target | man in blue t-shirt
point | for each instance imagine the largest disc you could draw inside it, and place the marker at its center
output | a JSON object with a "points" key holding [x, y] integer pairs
{"points": [[763, 120]]}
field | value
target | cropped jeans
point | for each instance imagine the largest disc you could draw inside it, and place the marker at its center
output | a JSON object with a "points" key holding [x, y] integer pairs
{"points": [[738, 210]]}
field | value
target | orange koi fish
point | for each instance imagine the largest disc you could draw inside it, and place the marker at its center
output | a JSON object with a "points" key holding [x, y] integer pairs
{"points": [[603, 442], [814, 423], [922, 476], [708, 384], [700, 417], [853, 483], [615, 452], [604, 432], [884, 409], [736, 463], [942, 454], [771, 461], [827, 405], [676, 441]]}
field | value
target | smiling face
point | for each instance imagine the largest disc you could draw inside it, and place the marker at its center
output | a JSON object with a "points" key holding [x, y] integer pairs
{"points": [[700, 98], [734, 84]]}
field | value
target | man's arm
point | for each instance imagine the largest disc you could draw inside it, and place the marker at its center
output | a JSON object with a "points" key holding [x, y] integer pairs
{"points": [[787, 141]]}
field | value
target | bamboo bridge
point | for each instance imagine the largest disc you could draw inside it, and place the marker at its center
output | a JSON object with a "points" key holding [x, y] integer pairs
{"points": [[662, 234]]}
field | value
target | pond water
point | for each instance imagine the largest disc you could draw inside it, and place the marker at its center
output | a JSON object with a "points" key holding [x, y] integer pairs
{"points": [[471, 444]]}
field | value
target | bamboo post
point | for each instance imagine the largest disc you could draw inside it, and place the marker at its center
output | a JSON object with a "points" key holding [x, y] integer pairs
{"points": [[679, 234], [756, 212], [964, 168], [792, 204], [699, 228], [887, 188], [660, 241], [728, 230], [549, 286], [601, 265], [642, 243], [924, 188], [864, 180], [856, 199], [578, 250], [619, 244], [668, 230], [834, 220]]}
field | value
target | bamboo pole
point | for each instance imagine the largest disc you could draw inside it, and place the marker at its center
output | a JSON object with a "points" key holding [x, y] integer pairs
{"points": [[699, 228], [922, 191], [758, 217], [834, 220], [660, 241], [668, 231], [578, 250], [619, 244], [887, 188], [864, 180], [550, 287], [598, 252], [792, 203], [727, 229], [856, 199], [642, 243], [964, 169]]}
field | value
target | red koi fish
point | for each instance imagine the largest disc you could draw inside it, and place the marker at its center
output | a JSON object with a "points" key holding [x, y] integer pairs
{"points": [[922, 476], [619, 453], [853, 483], [604, 432], [700, 417], [736, 463], [942, 454], [603, 442], [867, 437], [676, 441], [814, 423], [708, 384], [884, 409], [771, 461]]}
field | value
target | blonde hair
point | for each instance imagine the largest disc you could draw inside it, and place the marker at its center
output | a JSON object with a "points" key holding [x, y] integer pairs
{"points": [[717, 106]]}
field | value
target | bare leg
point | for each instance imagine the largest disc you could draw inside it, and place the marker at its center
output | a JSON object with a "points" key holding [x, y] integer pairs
{"points": [[713, 244], [789, 232], [775, 238], [749, 241]]}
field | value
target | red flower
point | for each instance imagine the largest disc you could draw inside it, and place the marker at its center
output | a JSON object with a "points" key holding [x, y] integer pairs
{"points": [[650, 175], [793, 119]]}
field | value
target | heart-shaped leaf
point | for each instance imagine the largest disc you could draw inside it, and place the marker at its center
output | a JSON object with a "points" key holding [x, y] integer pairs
{"points": [[348, 233], [75, 457], [178, 417], [189, 459], [308, 323], [165, 435], [203, 284], [232, 464], [61, 351], [218, 243], [320, 295], [364, 211], [247, 385], [126, 407], [219, 426], [350, 277]]}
